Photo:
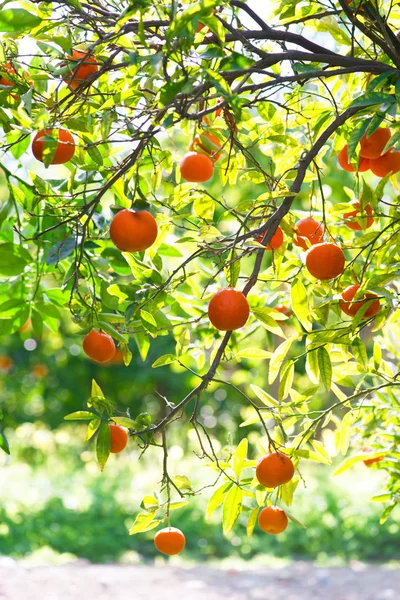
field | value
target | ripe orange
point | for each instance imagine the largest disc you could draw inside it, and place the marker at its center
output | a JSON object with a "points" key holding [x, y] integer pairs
{"points": [[343, 160], [65, 148], [6, 363], [10, 69], [310, 229], [370, 461], [196, 167], [274, 469], [118, 438], [276, 240], [273, 520], [325, 261], [80, 71], [388, 163], [285, 310], [133, 231], [228, 310], [208, 144], [351, 308], [170, 541], [99, 346], [373, 145], [40, 371], [358, 221]]}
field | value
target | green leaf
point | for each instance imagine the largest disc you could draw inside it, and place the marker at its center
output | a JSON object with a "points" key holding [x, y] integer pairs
{"points": [[175, 504], [80, 415], [142, 522], [103, 445], [96, 390], [386, 513], [164, 360], [347, 463], [93, 151], [17, 20], [232, 508], [149, 503], [371, 99], [381, 498], [4, 443], [345, 432], [92, 428], [254, 353], [183, 342], [251, 522], [217, 498], [320, 449], [240, 456], [124, 422], [325, 367], [182, 482], [148, 321], [13, 259], [61, 250], [377, 355], [262, 395], [286, 380], [360, 352], [299, 300], [263, 315], [278, 357]]}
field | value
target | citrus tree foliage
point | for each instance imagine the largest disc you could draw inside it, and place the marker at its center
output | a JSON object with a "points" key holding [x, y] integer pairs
{"points": [[283, 94]]}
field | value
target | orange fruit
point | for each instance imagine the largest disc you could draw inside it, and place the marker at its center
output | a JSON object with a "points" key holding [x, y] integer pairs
{"points": [[208, 144], [6, 363], [388, 163], [170, 541], [373, 145], [273, 520], [310, 229], [65, 148], [274, 469], [10, 69], [343, 160], [351, 308], [276, 240], [133, 231], [118, 438], [228, 310], [370, 461], [99, 346], [40, 371], [80, 71], [282, 308], [358, 221], [325, 261], [196, 167]]}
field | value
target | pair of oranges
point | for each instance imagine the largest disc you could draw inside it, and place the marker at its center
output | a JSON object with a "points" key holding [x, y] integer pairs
{"points": [[372, 156], [57, 142]]}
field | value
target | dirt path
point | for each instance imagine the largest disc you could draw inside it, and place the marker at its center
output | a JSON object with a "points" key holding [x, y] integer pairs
{"points": [[299, 581]]}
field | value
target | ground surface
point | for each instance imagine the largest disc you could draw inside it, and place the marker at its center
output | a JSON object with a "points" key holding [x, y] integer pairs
{"points": [[299, 581]]}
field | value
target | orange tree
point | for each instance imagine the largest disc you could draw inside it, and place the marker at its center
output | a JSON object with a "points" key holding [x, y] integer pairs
{"points": [[153, 154]]}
